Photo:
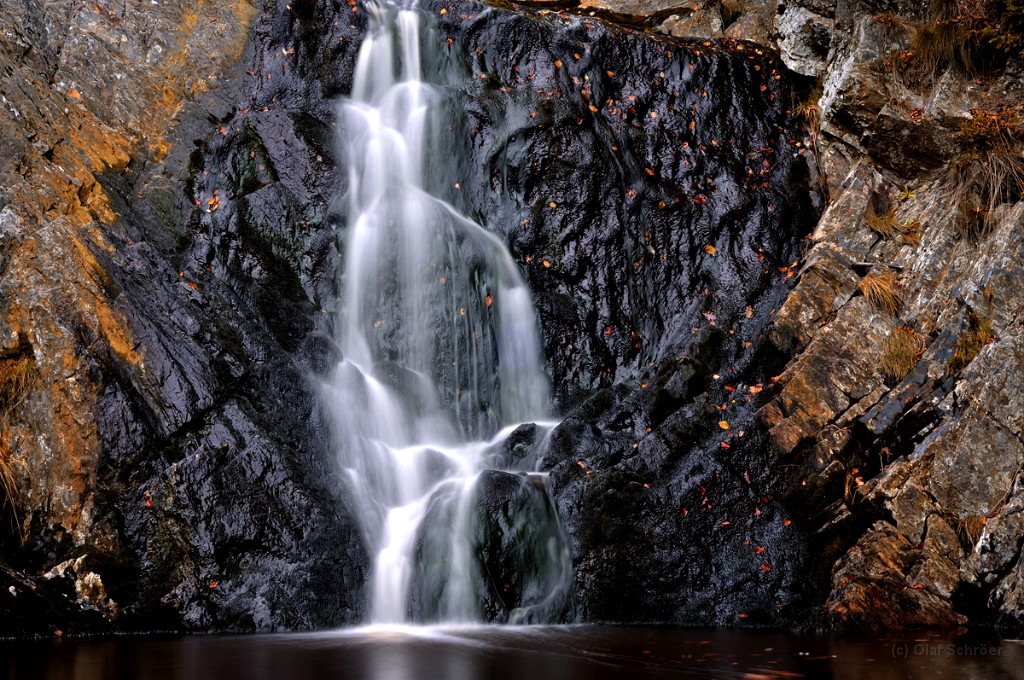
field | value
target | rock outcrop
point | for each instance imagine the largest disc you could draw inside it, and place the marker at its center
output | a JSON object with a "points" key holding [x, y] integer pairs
{"points": [[757, 425], [899, 407]]}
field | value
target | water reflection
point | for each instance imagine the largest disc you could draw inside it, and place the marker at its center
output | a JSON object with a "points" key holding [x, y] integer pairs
{"points": [[530, 653]]}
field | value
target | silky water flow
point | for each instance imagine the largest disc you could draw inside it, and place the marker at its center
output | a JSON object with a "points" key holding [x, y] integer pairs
{"points": [[441, 362]]}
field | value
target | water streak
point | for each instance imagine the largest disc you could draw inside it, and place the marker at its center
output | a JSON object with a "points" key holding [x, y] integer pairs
{"points": [[441, 356]]}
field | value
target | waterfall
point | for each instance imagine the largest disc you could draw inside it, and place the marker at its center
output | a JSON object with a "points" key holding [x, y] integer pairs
{"points": [[440, 357]]}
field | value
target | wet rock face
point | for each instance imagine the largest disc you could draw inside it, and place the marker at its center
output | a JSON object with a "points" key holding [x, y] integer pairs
{"points": [[172, 438], [649, 200], [656, 218], [632, 183]]}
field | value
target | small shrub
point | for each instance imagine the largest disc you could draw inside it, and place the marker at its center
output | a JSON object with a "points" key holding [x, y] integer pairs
{"points": [[882, 291], [992, 130], [1006, 31], [979, 333], [903, 349]]}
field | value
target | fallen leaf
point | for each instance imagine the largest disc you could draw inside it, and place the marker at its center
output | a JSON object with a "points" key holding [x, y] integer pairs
{"points": [[710, 249], [488, 300], [724, 424]]}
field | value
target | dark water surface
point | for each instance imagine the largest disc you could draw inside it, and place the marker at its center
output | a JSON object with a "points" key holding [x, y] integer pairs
{"points": [[523, 653]]}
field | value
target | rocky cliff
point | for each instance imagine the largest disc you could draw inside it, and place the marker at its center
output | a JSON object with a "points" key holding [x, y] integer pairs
{"points": [[757, 425]]}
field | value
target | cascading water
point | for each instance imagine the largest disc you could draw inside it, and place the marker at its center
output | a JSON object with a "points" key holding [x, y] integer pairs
{"points": [[441, 361]]}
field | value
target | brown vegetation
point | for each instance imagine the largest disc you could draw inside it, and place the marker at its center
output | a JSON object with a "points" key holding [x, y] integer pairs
{"points": [[903, 349]]}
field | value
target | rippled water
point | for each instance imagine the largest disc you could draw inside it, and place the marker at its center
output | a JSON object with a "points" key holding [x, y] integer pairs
{"points": [[531, 653]]}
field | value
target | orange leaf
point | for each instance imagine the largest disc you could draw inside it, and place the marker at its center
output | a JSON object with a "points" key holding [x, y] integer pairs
{"points": [[724, 424], [710, 249]]}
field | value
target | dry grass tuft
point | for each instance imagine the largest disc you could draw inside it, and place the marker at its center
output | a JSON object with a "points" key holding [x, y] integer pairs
{"points": [[885, 225], [989, 172], [969, 530], [882, 291], [18, 375], [903, 349], [979, 333]]}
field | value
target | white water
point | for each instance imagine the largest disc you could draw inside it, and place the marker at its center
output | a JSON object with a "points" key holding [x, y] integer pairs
{"points": [[441, 357]]}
